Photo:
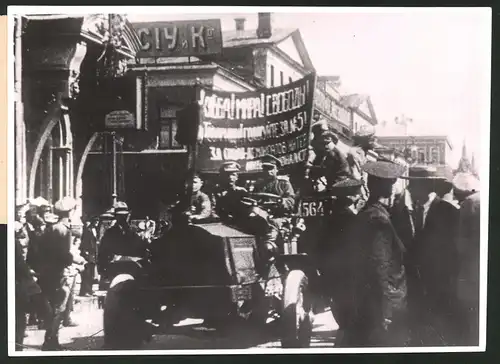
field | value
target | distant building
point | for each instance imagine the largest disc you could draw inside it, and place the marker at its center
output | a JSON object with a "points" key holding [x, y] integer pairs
{"points": [[420, 149], [465, 164]]}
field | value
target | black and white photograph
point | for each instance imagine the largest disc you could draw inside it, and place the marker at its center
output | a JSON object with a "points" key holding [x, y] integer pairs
{"points": [[247, 180]]}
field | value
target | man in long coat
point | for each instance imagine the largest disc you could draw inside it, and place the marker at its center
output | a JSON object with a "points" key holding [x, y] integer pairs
{"points": [[436, 258], [376, 272]]}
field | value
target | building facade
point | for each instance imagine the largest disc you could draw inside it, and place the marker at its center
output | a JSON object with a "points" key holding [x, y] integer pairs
{"points": [[64, 65], [421, 149]]}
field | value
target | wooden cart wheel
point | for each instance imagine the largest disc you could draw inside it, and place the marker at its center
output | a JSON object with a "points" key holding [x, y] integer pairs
{"points": [[297, 311]]}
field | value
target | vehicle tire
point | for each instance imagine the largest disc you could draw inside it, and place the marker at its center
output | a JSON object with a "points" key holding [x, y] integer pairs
{"points": [[296, 320], [123, 327]]}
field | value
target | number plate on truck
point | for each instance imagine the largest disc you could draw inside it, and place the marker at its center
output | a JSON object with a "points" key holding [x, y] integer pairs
{"points": [[313, 207]]}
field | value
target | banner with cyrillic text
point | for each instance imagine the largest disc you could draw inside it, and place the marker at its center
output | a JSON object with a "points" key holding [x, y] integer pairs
{"points": [[243, 126]]}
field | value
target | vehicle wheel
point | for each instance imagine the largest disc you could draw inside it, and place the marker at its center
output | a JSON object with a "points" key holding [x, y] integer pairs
{"points": [[296, 320], [123, 327]]}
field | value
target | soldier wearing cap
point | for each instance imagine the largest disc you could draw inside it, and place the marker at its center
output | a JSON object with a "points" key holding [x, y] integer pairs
{"points": [[56, 277], [119, 239], [363, 141], [200, 206], [375, 267], [276, 185], [325, 159], [227, 193], [334, 243]]}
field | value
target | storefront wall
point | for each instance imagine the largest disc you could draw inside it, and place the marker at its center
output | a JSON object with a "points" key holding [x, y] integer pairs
{"points": [[151, 165]]}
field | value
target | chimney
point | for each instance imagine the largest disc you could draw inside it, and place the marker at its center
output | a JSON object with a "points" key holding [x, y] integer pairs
{"points": [[264, 29], [240, 24]]}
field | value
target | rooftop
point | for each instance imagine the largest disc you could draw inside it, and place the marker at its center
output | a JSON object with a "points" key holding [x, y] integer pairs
{"points": [[242, 38]]}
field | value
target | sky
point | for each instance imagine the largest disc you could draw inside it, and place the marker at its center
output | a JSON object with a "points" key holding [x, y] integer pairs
{"points": [[431, 66]]}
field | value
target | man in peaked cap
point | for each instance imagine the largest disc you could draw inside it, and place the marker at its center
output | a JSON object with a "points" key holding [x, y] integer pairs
{"points": [[227, 194], [119, 239], [333, 245], [56, 279], [375, 267], [325, 159], [276, 185]]}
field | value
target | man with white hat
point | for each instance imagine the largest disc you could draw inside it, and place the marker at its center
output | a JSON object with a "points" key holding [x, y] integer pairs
{"points": [[375, 267], [56, 278]]}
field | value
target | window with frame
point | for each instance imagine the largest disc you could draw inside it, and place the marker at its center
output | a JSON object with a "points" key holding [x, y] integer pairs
{"points": [[168, 129], [271, 71], [290, 80], [282, 78]]}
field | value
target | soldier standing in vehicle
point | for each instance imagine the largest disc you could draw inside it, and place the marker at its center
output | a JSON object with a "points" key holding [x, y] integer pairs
{"points": [[56, 279], [227, 194], [276, 185], [120, 239], [364, 141], [326, 159], [376, 272]]}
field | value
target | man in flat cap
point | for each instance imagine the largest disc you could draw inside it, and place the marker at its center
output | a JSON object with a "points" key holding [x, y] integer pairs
{"points": [[56, 277], [376, 274], [119, 240], [227, 194], [276, 185], [326, 160], [424, 216], [435, 258]]}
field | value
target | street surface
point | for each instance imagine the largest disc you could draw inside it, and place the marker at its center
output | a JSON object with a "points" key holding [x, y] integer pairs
{"points": [[88, 334]]}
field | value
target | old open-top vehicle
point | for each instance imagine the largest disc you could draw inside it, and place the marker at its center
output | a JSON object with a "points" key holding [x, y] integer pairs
{"points": [[215, 272]]}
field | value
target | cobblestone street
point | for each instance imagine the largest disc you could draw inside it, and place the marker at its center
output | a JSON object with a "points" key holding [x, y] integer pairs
{"points": [[88, 335]]}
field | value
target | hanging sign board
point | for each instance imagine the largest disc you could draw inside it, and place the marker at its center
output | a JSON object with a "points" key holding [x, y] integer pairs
{"points": [[245, 126], [120, 119], [179, 38]]}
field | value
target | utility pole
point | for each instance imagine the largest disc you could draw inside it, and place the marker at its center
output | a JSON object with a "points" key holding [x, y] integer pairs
{"points": [[114, 195]]}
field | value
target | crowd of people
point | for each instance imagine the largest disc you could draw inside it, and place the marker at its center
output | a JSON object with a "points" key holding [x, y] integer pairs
{"points": [[401, 267]]}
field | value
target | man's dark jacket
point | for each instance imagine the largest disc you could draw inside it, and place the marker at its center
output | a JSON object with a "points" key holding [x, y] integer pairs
{"points": [[377, 275]]}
